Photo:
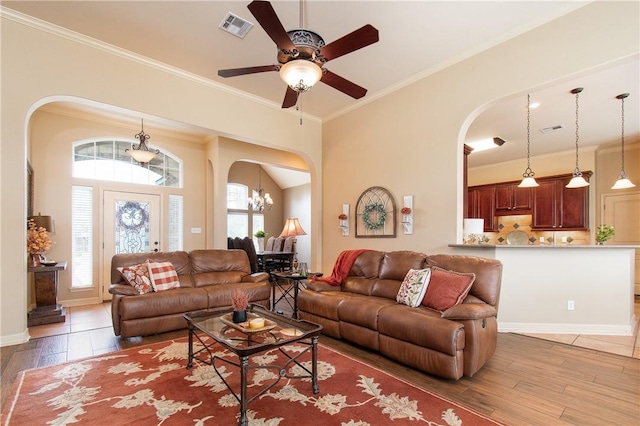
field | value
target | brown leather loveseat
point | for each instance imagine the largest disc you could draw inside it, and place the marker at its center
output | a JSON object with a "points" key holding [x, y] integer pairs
{"points": [[207, 280], [363, 309]]}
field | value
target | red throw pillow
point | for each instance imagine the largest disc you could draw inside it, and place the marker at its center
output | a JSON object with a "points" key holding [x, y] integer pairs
{"points": [[138, 277], [447, 288], [163, 275]]}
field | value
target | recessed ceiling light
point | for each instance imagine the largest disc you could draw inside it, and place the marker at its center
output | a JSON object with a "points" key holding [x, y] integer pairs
{"points": [[484, 144]]}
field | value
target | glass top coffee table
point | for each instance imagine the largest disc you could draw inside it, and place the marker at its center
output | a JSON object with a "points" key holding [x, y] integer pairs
{"points": [[278, 331]]}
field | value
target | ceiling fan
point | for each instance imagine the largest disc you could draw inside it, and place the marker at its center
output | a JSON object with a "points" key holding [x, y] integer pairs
{"points": [[303, 53]]}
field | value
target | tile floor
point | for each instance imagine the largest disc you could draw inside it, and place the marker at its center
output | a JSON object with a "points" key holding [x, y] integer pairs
{"points": [[82, 318]]}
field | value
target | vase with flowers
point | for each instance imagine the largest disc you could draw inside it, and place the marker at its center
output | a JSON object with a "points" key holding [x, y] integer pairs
{"points": [[38, 242], [239, 302], [604, 232]]}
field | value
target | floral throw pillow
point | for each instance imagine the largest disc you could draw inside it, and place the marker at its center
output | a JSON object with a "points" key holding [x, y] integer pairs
{"points": [[138, 277], [163, 275], [414, 287], [447, 288]]}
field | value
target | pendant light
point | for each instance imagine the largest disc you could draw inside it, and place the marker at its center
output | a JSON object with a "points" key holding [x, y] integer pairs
{"points": [[577, 181], [623, 181], [528, 180], [141, 153]]}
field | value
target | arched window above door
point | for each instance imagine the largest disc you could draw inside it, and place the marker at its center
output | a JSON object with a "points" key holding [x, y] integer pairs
{"points": [[108, 160]]}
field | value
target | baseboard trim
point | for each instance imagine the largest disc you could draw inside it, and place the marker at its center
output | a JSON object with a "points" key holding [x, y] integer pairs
{"points": [[546, 328], [81, 302], [15, 339]]}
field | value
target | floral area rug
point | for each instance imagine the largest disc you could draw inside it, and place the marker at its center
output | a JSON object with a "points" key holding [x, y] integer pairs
{"points": [[151, 385]]}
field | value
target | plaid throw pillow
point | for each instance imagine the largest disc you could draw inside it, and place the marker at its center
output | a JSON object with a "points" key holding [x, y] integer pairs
{"points": [[163, 275], [138, 277]]}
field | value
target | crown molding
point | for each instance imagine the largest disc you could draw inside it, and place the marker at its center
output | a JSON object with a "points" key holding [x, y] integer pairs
{"points": [[65, 33]]}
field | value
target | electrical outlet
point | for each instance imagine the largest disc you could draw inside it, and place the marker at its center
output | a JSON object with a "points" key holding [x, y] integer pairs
{"points": [[570, 305]]}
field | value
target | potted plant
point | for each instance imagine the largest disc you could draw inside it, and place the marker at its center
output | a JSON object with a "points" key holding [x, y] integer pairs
{"points": [[239, 302], [604, 233], [260, 235]]}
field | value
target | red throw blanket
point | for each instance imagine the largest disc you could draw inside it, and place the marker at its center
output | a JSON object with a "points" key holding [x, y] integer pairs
{"points": [[342, 267]]}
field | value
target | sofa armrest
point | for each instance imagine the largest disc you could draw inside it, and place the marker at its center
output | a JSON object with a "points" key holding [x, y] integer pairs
{"points": [[123, 289], [469, 311], [322, 286], [255, 277]]}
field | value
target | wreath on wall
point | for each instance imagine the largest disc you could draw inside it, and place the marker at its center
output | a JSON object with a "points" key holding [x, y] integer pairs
{"points": [[374, 208], [132, 216], [375, 215]]}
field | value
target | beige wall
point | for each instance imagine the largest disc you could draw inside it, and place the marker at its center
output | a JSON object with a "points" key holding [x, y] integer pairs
{"points": [[410, 141], [62, 66]]}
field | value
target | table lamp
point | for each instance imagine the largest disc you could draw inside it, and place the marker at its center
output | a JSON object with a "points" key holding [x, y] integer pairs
{"points": [[292, 228]]}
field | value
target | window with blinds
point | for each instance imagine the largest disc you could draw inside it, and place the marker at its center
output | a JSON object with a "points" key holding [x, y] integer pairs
{"points": [[82, 236], [175, 222]]}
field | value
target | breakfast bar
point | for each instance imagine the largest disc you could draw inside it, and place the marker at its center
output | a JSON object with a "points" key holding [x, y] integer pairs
{"points": [[564, 289]]}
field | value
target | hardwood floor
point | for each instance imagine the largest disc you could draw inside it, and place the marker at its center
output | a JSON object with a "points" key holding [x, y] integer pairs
{"points": [[529, 381]]}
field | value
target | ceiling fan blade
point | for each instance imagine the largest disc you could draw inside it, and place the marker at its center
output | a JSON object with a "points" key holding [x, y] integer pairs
{"points": [[343, 85], [358, 39], [290, 98], [247, 70], [266, 16]]}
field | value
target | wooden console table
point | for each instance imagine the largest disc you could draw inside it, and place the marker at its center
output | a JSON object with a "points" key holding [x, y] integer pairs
{"points": [[47, 309]]}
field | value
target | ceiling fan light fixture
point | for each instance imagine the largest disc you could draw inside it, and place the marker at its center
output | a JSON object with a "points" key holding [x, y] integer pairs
{"points": [[300, 74]]}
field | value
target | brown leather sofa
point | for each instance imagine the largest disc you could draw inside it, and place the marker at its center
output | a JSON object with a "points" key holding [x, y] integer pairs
{"points": [[207, 279], [363, 310]]}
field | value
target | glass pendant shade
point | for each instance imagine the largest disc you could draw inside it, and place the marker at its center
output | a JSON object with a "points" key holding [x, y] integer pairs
{"points": [[577, 182], [528, 182], [623, 181], [300, 74]]}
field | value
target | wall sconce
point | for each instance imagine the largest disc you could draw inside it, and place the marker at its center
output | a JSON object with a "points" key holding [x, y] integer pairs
{"points": [[473, 231], [344, 220], [407, 214]]}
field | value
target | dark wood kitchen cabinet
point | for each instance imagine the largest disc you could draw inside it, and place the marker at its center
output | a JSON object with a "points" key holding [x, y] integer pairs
{"points": [[557, 207], [481, 205], [511, 199]]}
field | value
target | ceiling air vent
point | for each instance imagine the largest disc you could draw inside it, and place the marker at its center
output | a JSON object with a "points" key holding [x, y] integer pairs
{"points": [[552, 128], [235, 25]]}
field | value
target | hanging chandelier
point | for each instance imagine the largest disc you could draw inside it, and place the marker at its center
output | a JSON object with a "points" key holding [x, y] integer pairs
{"points": [[528, 180], [577, 181], [623, 181], [260, 200], [141, 153]]}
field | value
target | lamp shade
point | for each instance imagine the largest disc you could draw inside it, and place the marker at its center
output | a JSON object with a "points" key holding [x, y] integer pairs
{"points": [[292, 228], [45, 222], [473, 226], [528, 182], [300, 71], [623, 183], [577, 182], [141, 156]]}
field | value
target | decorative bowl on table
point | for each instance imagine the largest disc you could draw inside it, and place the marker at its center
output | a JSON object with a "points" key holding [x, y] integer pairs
{"points": [[48, 262], [245, 327]]}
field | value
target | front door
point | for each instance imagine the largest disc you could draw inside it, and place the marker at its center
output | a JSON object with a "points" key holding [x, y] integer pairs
{"points": [[131, 224]]}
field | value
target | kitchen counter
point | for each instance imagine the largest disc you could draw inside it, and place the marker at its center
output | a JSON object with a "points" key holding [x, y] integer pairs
{"points": [[563, 289]]}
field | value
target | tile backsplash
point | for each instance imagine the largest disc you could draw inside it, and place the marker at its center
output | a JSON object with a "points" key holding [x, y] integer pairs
{"points": [[508, 224]]}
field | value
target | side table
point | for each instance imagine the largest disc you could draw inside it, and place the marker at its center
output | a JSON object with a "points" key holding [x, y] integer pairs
{"points": [[288, 293], [47, 309]]}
